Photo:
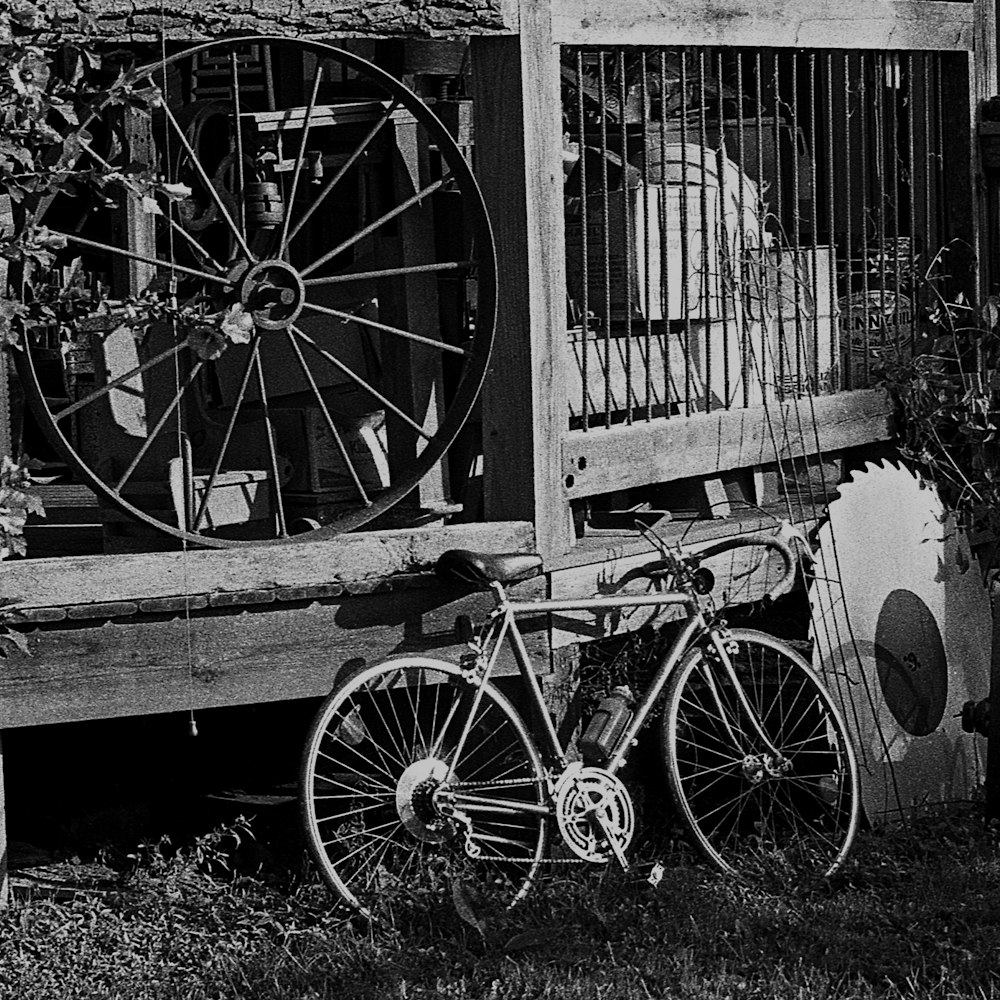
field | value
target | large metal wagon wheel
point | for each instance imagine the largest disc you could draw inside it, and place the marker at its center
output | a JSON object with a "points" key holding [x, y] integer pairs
{"points": [[281, 320]]}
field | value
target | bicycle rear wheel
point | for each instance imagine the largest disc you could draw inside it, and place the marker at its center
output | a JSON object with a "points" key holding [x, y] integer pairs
{"points": [[751, 812], [393, 799]]}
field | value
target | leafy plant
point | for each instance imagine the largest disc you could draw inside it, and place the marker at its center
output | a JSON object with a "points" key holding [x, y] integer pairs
{"points": [[948, 399]]}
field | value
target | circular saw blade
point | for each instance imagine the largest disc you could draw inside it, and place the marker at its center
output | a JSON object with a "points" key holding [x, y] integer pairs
{"points": [[902, 635]]}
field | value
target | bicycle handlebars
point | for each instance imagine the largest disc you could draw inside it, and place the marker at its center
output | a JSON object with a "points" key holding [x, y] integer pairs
{"points": [[746, 541]]}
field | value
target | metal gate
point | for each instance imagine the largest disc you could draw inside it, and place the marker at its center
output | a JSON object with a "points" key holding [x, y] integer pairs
{"points": [[746, 226]]}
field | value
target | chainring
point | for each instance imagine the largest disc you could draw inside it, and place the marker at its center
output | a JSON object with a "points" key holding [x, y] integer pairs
{"points": [[594, 813]]}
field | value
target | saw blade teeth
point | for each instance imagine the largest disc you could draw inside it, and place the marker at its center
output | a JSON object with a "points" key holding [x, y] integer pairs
{"points": [[900, 624]]}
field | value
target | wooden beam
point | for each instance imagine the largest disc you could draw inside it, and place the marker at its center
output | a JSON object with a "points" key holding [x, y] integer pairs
{"points": [[826, 24], [599, 461], [102, 579], [518, 127], [150, 665]]}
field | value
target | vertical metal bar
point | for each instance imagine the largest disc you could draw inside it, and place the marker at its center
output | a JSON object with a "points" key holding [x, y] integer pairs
{"points": [[647, 278], [707, 305], [628, 229], [584, 245], [848, 319], [911, 173], [606, 221], [881, 241], [798, 298], [762, 281], [685, 235], [742, 264], [813, 387], [782, 365], [831, 206], [864, 157], [727, 258], [926, 154], [665, 268], [893, 84], [941, 221]]}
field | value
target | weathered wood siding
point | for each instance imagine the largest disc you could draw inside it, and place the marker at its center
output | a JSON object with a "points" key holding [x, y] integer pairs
{"points": [[181, 19]]}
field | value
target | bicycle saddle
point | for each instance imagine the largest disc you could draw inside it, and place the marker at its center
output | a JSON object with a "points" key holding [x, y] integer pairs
{"points": [[483, 568]]}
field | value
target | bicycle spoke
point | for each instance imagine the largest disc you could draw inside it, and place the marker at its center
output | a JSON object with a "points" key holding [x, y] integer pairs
{"points": [[439, 345], [385, 770], [377, 224]]}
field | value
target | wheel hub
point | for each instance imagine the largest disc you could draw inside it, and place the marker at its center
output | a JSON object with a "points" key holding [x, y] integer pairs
{"points": [[415, 800], [273, 293], [763, 766]]}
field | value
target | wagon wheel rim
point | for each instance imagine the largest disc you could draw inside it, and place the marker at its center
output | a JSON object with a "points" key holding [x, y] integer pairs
{"points": [[262, 279]]}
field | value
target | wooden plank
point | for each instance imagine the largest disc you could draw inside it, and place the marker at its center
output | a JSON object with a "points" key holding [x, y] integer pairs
{"points": [[273, 653], [48, 583], [599, 461], [822, 24], [518, 128]]}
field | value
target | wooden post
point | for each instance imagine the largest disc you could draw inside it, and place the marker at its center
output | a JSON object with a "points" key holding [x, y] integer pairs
{"points": [[413, 373], [518, 127], [992, 783], [4, 875]]}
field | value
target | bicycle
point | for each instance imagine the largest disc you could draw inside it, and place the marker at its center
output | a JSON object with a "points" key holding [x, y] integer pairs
{"points": [[416, 769]]}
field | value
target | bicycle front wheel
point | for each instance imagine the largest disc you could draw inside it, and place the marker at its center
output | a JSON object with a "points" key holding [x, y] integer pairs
{"points": [[413, 778], [753, 811]]}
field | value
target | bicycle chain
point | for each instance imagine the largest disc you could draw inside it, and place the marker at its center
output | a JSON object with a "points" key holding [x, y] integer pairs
{"points": [[467, 823]]}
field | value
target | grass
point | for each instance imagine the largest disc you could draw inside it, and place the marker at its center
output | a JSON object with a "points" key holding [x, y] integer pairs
{"points": [[915, 915]]}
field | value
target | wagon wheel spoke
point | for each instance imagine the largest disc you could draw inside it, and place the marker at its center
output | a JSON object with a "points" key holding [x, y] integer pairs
{"points": [[271, 448], [331, 425], [171, 266], [234, 69], [115, 383], [377, 224], [391, 272], [195, 163], [248, 242], [300, 159], [230, 427], [342, 171], [160, 424], [367, 386], [384, 328], [175, 226]]}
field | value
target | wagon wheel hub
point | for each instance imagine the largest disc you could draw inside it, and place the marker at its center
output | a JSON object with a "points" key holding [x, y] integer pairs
{"points": [[273, 293]]}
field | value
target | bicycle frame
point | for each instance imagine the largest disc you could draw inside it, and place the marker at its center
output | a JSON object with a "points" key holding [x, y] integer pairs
{"points": [[504, 626]]}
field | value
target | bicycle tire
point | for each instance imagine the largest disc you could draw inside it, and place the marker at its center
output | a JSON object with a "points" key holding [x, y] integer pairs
{"points": [[378, 760], [749, 814]]}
